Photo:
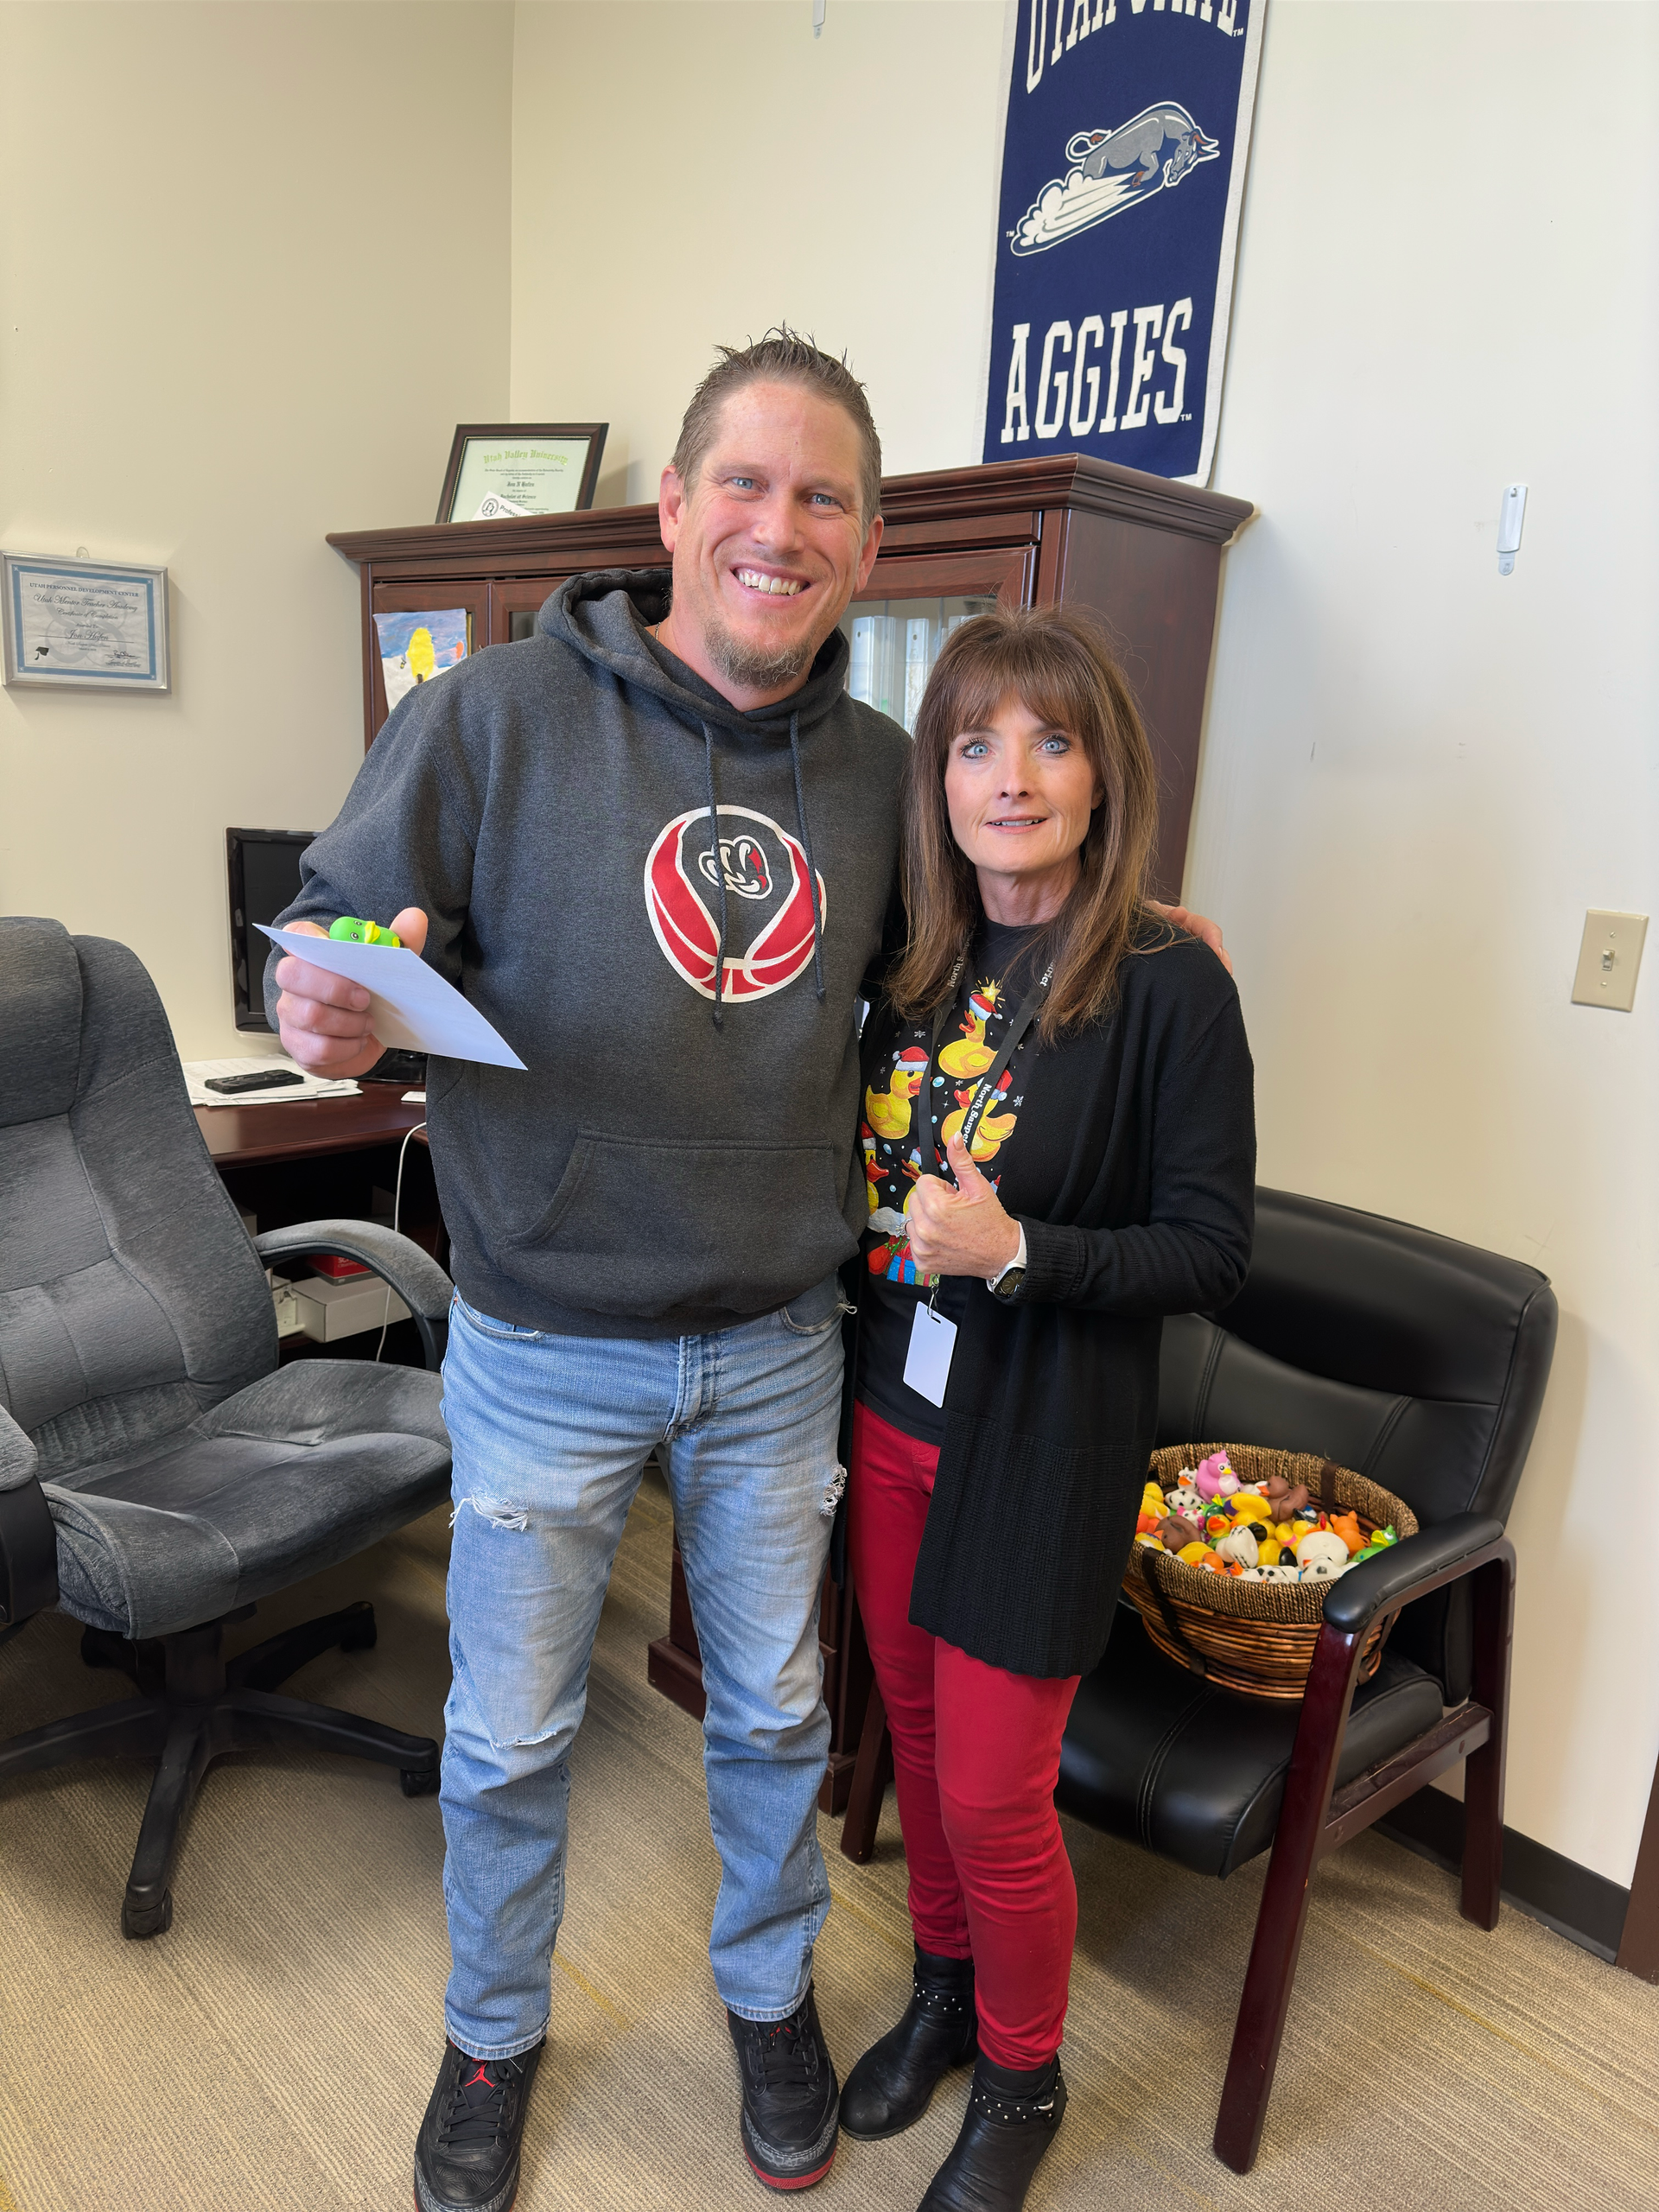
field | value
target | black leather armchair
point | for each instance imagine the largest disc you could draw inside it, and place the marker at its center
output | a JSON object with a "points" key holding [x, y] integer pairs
{"points": [[1421, 1363], [160, 1473]]}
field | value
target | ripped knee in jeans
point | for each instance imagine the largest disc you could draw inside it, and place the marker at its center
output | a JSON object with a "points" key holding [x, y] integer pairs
{"points": [[513, 1518]]}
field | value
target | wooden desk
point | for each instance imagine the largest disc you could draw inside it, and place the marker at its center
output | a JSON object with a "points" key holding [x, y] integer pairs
{"points": [[258, 1133], [323, 1158]]}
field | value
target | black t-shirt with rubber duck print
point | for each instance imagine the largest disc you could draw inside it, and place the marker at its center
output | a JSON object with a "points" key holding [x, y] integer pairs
{"points": [[903, 1137]]}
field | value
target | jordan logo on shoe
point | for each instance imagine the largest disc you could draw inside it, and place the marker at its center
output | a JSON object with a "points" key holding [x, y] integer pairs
{"points": [[483, 2082]]}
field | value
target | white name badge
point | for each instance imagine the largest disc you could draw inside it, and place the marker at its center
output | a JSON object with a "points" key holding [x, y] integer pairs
{"points": [[932, 1340]]}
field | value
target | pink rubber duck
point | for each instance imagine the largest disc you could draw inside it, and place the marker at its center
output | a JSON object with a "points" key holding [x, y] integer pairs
{"points": [[1215, 1477]]}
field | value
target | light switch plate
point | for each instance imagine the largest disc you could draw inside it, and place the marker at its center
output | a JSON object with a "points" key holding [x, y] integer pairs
{"points": [[1608, 960]]}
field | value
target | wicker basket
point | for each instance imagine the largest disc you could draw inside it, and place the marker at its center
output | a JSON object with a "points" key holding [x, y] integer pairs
{"points": [[1255, 1638]]}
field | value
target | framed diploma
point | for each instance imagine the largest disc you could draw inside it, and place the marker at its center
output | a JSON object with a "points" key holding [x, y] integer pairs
{"points": [[521, 468], [91, 624]]}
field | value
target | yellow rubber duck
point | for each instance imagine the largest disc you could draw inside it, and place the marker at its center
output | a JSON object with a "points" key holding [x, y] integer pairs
{"points": [[888, 1111], [988, 1137], [968, 1054]]}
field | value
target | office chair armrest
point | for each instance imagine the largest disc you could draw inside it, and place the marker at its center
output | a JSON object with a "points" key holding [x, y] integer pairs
{"points": [[29, 1542], [1407, 1570], [19, 1461], [397, 1260]]}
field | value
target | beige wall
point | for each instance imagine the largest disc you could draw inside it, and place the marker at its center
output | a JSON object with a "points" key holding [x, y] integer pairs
{"points": [[1418, 775], [686, 174], [256, 270]]}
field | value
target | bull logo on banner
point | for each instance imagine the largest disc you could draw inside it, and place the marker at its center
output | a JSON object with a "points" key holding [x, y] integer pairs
{"points": [[755, 855], [1113, 170]]}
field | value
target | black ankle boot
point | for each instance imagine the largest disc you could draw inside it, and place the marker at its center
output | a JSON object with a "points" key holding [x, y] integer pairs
{"points": [[889, 2088], [1011, 2120]]}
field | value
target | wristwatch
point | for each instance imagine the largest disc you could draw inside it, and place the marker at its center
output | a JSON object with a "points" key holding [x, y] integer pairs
{"points": [[1006, 1282]]}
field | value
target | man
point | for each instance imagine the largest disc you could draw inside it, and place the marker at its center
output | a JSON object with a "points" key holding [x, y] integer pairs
{"points": [[657, 847]]}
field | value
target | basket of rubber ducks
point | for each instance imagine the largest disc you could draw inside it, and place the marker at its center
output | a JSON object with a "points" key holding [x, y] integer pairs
{"points": [[1235, 1549]]}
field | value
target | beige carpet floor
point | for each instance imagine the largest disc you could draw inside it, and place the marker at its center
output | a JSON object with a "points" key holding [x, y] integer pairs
{"points": [[275, 2049]]}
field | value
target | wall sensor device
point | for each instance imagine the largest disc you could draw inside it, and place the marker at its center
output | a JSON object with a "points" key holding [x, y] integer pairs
{"points": [[1508, 527]]}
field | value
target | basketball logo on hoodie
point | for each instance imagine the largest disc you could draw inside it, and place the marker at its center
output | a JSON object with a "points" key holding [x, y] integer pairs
{"points": [[683, 900]]}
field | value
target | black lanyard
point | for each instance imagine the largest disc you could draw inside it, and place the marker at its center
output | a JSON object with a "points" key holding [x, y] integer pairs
{"points": [[985, 1091]]}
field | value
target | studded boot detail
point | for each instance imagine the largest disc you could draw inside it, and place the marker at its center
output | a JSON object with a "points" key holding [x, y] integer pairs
{"points": [[1011, 2119], [890, 2088]]}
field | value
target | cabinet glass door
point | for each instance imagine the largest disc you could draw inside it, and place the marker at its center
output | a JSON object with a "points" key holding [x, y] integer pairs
{"points": [[897, 625], [895, 642], [468, 595], [515, 601]]}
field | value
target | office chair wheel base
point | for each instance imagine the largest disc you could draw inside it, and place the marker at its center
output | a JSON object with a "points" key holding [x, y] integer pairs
{"points": [[362, 1634], [419, 1781], [138, 1922]]}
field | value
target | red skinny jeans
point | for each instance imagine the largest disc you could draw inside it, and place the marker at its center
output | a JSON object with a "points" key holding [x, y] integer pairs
{"points": [[975, 1755]]}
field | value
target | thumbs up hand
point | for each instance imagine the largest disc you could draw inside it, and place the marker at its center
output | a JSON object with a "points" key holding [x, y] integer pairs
{"points": [[960, 1231]]}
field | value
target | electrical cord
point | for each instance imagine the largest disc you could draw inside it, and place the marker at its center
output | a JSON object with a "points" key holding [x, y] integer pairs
{"points": [[396, 1211]]}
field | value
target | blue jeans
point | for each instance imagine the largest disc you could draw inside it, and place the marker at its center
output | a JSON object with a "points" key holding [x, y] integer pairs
{"points": [[550, 1434]]}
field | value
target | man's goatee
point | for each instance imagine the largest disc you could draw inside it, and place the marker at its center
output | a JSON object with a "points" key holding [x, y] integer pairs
{"points": [[750, 667]]}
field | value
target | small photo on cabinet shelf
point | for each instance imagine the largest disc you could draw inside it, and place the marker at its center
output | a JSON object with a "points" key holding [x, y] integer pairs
{"points": [[416, 647]]}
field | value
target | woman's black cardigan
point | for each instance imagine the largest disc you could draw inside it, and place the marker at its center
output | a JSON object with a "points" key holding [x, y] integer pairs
{"points": [[1133, 1171]]}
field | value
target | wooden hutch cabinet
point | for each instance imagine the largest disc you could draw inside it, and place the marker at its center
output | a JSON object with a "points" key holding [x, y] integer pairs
{"points": [[1142, 552]]}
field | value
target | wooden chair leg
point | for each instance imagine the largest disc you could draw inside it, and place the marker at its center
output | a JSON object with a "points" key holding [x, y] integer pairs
{"points": [[870, 1778], [1493, 1596], [1279, 1925]]}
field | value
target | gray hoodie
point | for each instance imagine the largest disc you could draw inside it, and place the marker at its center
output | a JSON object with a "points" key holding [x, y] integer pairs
{"points": [[669, 1165]]}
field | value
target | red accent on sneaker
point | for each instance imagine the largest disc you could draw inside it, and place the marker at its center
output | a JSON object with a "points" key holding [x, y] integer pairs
{"points": [[482, 2074], [795, 2181]]}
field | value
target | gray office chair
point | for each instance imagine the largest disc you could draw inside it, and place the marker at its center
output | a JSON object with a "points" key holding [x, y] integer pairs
{"points": [[159, 1472]]}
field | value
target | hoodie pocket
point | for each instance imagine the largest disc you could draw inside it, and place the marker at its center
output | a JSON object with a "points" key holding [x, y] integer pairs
{"points": [[652, 1228]]}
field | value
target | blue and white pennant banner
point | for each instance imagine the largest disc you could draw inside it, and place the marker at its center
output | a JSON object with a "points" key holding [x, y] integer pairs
{"points": [[1128, 130]]}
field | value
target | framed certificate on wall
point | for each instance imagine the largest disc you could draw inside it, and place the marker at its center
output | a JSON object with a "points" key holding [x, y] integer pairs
{"points": [[521, 468], [94, 625]]}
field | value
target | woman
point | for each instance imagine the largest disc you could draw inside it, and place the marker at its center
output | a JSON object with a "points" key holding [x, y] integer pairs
{"points": [[1080, 1068]]}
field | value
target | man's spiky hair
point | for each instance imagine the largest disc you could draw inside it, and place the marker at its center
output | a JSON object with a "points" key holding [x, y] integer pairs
{"points": [[782, 356]]}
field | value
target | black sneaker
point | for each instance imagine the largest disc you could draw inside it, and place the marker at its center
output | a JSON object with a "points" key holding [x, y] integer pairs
{"points": [[790, 2103], [467, 2152]]}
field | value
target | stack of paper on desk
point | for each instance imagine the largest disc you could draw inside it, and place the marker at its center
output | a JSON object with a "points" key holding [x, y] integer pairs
{"points": [[310, 1086]]}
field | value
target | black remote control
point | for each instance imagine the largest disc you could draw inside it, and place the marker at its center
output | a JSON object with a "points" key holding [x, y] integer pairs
{"points": [[252, 1081]]}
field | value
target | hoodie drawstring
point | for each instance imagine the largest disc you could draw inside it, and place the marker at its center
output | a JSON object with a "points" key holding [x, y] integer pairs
{"points": [[719, 868], [719, 859], [806, 844]]}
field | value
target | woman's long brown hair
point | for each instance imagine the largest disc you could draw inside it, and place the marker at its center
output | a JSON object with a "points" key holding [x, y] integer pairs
{"points": [[1057, 661]]}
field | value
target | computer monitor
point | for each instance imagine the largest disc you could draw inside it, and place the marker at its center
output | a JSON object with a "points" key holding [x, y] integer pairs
{"points": [[265, 873]]}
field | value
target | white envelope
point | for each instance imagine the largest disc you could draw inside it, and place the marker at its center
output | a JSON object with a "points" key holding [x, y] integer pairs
{"points": [[411, 1005]]}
